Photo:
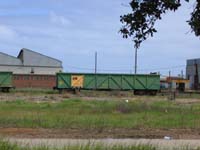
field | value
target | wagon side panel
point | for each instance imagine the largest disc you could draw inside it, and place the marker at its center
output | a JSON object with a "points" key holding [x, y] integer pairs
{"points": [[6, 79], [153, 82], [63, 81]]}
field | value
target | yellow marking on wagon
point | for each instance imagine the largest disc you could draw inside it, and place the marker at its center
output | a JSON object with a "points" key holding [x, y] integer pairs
{"points": [[77, 81]]}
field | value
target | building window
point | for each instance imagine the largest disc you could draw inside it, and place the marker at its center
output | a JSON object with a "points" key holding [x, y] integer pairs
{"points": [[26, 77], [46, 78], [16, 78], [32, 70]]}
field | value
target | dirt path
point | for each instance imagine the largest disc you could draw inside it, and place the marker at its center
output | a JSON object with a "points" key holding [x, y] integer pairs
{"points": [[97, 133], [159, 143]]}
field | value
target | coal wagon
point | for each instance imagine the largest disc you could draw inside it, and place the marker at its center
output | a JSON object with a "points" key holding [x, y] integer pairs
{"points": [[141, 84]]}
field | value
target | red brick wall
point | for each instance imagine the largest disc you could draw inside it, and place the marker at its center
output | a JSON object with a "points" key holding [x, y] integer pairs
{"points": [[34, 81]]}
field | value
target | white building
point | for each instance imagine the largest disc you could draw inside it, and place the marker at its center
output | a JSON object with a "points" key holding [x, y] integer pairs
{"points": [[30, 62]]}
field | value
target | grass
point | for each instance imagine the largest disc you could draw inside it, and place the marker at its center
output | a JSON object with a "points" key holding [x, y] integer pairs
{"points": [[5, 145], [75, 113], [188, 95]]}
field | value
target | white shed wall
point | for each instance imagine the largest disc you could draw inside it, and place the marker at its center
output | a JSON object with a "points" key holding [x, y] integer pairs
{"points": [[27, 70]]}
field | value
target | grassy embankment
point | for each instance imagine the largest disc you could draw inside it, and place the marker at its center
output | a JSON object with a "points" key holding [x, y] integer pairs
{"points": [[75, 113]]}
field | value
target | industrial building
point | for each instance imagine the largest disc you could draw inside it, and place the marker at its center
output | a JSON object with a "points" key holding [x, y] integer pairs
{"points": [[178, 84], [30, 62], [193, 73]]}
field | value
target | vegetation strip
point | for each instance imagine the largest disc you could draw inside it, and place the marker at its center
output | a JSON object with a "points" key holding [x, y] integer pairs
{"points": [[5, 145], [75, 113]]}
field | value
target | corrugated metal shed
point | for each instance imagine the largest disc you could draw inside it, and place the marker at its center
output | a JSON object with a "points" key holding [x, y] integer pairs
{"points": [[30, 62], [31, 58], [6, 59], [193, 72]]}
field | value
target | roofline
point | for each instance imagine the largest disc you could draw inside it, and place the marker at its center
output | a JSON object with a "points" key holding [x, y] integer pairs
{"points": [[9, 55], [37, 53], [31, 66], [194, 59]]}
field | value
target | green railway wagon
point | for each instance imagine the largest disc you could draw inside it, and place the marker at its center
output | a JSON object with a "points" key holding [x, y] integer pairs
{"points": [[140, 84], [6, 81]]}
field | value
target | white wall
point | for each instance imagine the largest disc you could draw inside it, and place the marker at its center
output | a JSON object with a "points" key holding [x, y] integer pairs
{"points": [[27, 70]]}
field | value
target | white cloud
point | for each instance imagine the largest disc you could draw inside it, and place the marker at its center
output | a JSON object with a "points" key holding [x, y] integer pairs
{"points": [[58, 19], [7, 33]]}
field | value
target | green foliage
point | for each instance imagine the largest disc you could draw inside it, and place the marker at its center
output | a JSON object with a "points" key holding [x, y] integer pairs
{"points": [[194, 22], [140, 23]]}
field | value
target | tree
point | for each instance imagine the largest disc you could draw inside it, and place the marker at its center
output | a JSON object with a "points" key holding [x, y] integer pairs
{"points": [[139, 24]]}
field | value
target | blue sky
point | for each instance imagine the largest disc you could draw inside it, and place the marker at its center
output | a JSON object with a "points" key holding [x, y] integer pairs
{"points": [[72, 30]]}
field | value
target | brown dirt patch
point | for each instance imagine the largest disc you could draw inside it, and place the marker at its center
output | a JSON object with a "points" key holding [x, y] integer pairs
{"points": [[96, 134]]}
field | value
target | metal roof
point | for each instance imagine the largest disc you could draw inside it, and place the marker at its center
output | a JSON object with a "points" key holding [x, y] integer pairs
{"points": [[32, 58], [28, 57], [6, 59]]}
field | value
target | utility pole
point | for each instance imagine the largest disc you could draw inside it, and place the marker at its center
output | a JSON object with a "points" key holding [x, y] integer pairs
{"points": [[172, 94], [95, 70], [136, 60], [95, 63]]}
